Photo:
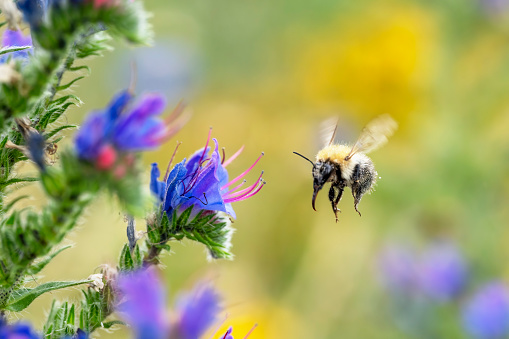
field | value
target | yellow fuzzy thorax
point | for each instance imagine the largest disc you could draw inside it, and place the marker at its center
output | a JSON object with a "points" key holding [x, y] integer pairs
{"points": [[335, 153]]}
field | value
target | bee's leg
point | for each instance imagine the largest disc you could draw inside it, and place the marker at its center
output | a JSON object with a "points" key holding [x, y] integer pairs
{"points": [[335, 193], [332, 195]]}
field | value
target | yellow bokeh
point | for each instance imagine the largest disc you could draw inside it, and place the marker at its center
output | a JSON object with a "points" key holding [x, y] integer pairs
{"points": [[378, 63]]}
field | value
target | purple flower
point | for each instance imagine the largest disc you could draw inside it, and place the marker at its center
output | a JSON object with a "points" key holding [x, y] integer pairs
{"points": [[442, 271], [198, 311], [122, 128], [397, 266], [202, 182], [439, 272], [13, 38], [17, 331], [144, 308], [486, 314]]}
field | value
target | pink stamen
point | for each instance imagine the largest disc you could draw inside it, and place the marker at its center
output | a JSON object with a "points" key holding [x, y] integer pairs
{"points": [[177, 111], [171, 160], [232, 191], [233, 194], [219, 326], [170, 131], [251, 331], [243, 173], [245, 196], [235, 155]]}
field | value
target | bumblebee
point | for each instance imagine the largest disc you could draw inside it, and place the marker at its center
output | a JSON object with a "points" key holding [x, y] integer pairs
{"points": [[346, 166]]}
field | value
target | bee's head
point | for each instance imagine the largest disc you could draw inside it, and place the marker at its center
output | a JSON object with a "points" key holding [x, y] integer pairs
{"points": [[322, 172]]}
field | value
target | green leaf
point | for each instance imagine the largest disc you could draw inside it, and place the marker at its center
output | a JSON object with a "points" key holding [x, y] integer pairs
{"points": [[37, 267], [164, 247], [70, 317], [109, 324], [69, 84], [13, 49], [11, 203], [18, 180], [126, 261], [21, 299], [79, 68], [58, 129], [182, 220], [64, 98]]}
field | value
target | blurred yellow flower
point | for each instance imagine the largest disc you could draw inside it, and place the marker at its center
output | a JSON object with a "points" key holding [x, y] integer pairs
{"points": [[377, 61], [273, 321]]}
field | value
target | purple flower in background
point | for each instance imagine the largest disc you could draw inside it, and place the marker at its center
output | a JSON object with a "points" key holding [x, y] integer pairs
{"points": [[145, 307], [397, 266], [198, 310], [442, 271], [203, 182], [145, 311], [494, 6], [122, 128], [439, 272], [17, 331], [13, 38], [486, 314]]}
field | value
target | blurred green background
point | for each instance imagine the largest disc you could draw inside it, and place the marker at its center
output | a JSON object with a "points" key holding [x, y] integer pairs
{"points": [[265, 74]]}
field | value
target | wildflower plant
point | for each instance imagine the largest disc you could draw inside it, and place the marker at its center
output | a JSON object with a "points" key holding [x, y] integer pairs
{"points": [[43, 41]]}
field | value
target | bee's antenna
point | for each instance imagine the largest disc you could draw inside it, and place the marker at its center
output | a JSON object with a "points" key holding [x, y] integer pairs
{"points": [[300, 155]]}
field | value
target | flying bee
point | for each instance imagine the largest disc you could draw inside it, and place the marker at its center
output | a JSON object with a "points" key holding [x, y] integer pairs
{"points": [[345, 166]]}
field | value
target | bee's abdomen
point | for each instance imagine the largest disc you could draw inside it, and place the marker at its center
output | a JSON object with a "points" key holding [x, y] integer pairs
{"points": [[363, 178]]}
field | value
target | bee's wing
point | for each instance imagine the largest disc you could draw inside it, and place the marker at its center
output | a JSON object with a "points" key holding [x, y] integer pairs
{"points": [[374, 135], [328, 130]]}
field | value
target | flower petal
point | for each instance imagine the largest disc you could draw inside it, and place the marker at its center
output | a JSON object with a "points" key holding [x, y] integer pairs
{"points": [[198, 311], [144, 308]]}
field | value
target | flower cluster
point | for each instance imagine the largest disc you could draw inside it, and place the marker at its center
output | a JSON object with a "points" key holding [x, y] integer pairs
{"points": [[144, 308], [486, 313], [202, 182], [120, 129], [440, 272], [142, 305], [18, 331], [34, 11]]}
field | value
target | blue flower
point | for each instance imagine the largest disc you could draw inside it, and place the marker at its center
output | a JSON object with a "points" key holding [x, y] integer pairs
{"points": [[17, 331], [202, 182], [198, 311], [443, 271], [122, 128], [486, 314], [13, 38], [33, 11], [144, 308]]}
